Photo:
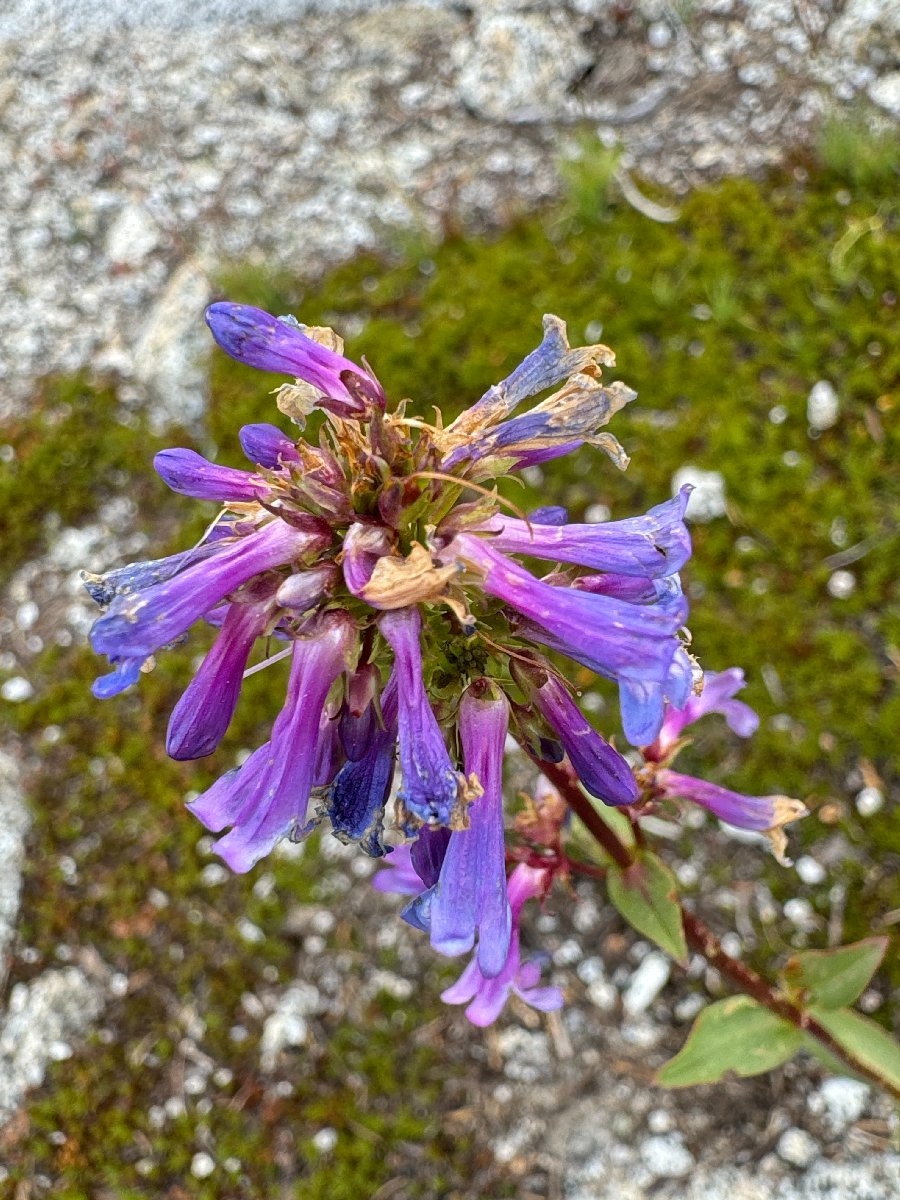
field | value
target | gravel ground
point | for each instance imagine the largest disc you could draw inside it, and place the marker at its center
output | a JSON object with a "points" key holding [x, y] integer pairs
{"points": [[137, 160]]}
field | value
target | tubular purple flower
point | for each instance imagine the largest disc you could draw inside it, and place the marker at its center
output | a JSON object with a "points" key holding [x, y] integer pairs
{"points": [[602, 770], [649, 546], [764, 814], [191, 474], [552, 361], [140, 624], [268, 797], [266, 446], [633, 644], [489, 995], [203, 714], [431, 787], [470, 895], [360, 792], [121, 581], [260, 340]]}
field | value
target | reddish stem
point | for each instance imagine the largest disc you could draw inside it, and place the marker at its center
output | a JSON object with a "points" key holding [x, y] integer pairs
{"points": [[701, 938]]}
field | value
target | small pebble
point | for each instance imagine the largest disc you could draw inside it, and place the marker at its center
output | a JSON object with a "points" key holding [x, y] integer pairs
{"points": [[602, 995], [646, 983], [17, 689], [841, 584], [809, 870], [822, 406], [797, 1147], [843, 1101], [202, 1165], [869, 801], [325, 1140], [666, 1157]]}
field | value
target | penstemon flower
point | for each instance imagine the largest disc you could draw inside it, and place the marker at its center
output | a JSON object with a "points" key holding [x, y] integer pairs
{"points": [[390, 573], [761, 814]]}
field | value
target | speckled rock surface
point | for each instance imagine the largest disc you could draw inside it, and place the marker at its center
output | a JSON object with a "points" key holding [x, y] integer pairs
{"points": [[135, 159]]}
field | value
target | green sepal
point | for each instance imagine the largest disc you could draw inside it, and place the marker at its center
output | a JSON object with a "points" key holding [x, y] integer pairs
{"points": [[646, 894], [737, 1035], [835, 978]]}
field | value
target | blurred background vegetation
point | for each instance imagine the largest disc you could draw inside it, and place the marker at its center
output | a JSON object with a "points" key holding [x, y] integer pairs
{"points": [[723, 320]]}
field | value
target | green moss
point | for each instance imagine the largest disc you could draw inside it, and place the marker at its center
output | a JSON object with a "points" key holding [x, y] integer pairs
{"points": [[77, 449], [738, 308]]}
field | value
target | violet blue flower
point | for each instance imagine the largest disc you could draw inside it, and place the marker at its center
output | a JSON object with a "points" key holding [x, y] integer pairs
{"points": [[653, 545], [431, 787], [763, 814], [719, 690], [191, 474], [268, 797], [470, 895], [553, 361], [601, 769], [258, 339], [266, 446], [122, 581], [140, 624], [203, 714], [631, 643], [359, 794], [487, 995]]}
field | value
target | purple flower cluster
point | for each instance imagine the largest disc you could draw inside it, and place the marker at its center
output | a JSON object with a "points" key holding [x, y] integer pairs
{"points": [[391, 578]]}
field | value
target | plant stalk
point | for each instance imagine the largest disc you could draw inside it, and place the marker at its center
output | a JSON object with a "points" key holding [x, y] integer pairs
{"points": [[701, 938]]}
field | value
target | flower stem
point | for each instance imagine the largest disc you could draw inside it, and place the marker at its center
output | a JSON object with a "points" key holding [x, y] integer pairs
{"points": [[703, 941]]}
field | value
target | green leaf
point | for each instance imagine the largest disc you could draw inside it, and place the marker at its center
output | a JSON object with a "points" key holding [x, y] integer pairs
{"points": [[736, 1035], [646, 894], [864, 1038], [835, 978]]}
